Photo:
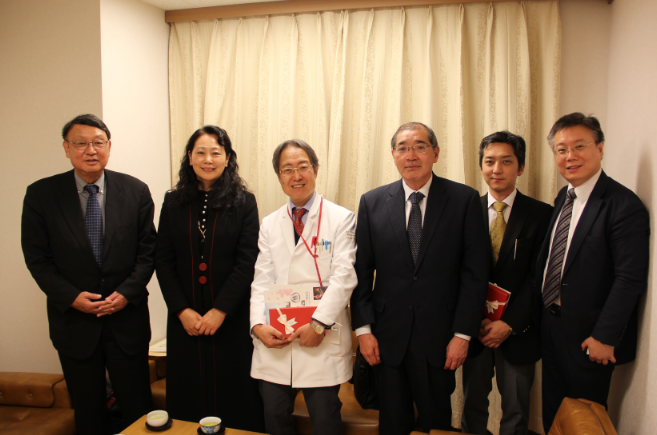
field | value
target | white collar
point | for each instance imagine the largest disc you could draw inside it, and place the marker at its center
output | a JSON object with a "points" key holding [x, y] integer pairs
{"points": [[424, 189], [508, 200]]}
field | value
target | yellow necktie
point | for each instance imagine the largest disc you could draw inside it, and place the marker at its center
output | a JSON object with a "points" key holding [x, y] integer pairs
{"points": [[497, 230]]}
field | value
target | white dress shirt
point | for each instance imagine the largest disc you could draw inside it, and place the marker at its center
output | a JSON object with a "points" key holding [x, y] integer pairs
{"points": [[583, 193], [367, 329], [492, 213]]}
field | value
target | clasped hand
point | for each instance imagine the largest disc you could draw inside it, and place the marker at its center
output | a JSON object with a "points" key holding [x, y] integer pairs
{"points": [[274, 339], [492, 334], [92, 303], [195, 324]]}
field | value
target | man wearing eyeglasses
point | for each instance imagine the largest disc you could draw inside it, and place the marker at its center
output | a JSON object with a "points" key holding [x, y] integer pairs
{"points": [[425, 238], [594, 268], [88, 240], [309, 241]]}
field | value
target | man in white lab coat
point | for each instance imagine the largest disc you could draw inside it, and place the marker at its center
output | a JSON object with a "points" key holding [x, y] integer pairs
{"points": [[308, 241]]}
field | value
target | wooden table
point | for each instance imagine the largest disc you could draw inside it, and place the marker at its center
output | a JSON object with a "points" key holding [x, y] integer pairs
{"points": [[178, 427]]}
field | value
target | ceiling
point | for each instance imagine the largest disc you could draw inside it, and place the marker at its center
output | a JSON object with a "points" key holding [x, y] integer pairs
{"points": [[170, 5]]}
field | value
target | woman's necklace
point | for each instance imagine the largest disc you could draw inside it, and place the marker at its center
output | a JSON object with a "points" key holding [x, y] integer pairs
{"points": [[201, 228]]}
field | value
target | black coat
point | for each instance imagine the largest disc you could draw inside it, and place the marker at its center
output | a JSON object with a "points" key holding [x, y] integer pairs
{"points": [[210, 375], [444, 292], [58, 254], [605, 273], [514, 271]]}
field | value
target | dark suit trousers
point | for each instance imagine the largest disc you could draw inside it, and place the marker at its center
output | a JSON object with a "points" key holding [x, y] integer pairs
{"points": [[514, 384], [85, 379], [414, 380], [563, 376], [323, 403]]}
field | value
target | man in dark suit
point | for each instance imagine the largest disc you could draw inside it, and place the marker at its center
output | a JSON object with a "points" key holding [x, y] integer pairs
{"points": [[594, 265], [88, 240], [425, 238], [509, 347]]}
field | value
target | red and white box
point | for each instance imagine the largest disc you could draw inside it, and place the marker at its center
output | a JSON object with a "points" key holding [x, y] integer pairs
{"points": [[496, 302]]}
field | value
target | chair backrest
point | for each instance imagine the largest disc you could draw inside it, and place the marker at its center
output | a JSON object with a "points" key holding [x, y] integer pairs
{"points": [[581, 416]]}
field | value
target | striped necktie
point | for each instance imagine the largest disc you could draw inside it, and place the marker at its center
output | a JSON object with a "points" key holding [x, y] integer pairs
{"points": [[555, 265]]}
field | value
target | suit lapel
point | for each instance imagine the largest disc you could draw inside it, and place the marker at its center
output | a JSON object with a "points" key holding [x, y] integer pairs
{"points": [[517, 220], [586, 219], [436, 202], [114, 198], [69, 203], [397, 214]]}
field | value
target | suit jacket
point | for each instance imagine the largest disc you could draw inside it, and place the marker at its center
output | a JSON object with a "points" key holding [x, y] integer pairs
{"points": [[514, 271], [606, 270], [281, 261], [58, 254], [445, 291]]}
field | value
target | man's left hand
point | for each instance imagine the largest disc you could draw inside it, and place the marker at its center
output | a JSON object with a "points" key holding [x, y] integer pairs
{"points": [[599, 352], [457, 351], [117, 302], [308, 337], [494, 333], [210, 322]]}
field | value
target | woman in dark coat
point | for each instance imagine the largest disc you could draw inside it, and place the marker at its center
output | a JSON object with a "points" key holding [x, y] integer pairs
{"points": [[207, 246]]}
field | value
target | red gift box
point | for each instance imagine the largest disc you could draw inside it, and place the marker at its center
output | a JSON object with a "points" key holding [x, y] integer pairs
{"points": [[300, 315], [496, 301]]}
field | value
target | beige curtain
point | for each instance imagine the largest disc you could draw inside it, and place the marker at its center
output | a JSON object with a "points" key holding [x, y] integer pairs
{"points": [[344, 81]]}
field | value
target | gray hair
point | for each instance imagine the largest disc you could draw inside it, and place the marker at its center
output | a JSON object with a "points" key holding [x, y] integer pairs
{"points": [[298, 143]]}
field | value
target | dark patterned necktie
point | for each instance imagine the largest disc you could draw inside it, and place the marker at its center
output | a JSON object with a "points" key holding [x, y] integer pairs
{"points": [[553, 276], [415, 224], [94, 222], [298, 223]]}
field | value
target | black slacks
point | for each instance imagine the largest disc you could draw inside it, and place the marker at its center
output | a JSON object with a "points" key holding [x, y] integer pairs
{"points": [[85, 379], [563, 376], [323, 403], [414, 380]]}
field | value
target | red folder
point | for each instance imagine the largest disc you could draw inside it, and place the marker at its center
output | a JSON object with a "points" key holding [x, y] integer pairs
{"points": [[301, 315], [496, 302]]}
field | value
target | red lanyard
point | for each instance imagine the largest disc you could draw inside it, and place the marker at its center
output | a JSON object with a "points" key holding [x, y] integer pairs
{"points": [[314, 241]]}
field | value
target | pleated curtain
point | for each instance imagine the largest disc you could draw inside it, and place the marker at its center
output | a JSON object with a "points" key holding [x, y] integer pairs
{"points": [[344, 81]]}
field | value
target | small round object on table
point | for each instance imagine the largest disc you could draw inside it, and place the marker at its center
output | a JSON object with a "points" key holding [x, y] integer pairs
{"points": [[162, 428]]}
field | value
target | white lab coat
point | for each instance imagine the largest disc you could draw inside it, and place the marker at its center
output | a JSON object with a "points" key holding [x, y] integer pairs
{"points": [[281, 262]]}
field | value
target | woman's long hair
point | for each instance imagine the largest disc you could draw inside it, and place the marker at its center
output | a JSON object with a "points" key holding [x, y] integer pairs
{"points": [[228, 191]]}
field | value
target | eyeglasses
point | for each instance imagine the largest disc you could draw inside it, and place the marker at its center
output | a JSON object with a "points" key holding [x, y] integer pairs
{"points": [[98, 144], [419, 149], [303, 169], [577, 150]]}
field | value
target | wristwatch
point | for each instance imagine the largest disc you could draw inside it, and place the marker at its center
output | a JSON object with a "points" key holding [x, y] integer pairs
{"points": [[317, 327]]}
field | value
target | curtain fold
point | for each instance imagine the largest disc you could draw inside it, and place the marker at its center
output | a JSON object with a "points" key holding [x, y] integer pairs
{"points": [[344, 81]]}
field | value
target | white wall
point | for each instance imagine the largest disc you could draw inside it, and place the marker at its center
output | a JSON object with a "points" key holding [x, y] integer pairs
{"points": [[630, 158], [608, 67], [49, 73], [135, 49]]}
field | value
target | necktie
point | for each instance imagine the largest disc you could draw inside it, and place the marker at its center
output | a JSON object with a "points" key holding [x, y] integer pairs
{"points": [[94, 223], [415, 224], [497, 230], [298, 223], [553, 275]]}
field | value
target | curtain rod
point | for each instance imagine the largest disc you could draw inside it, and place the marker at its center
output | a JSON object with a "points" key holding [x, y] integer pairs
{"points": [[296, 6]]}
